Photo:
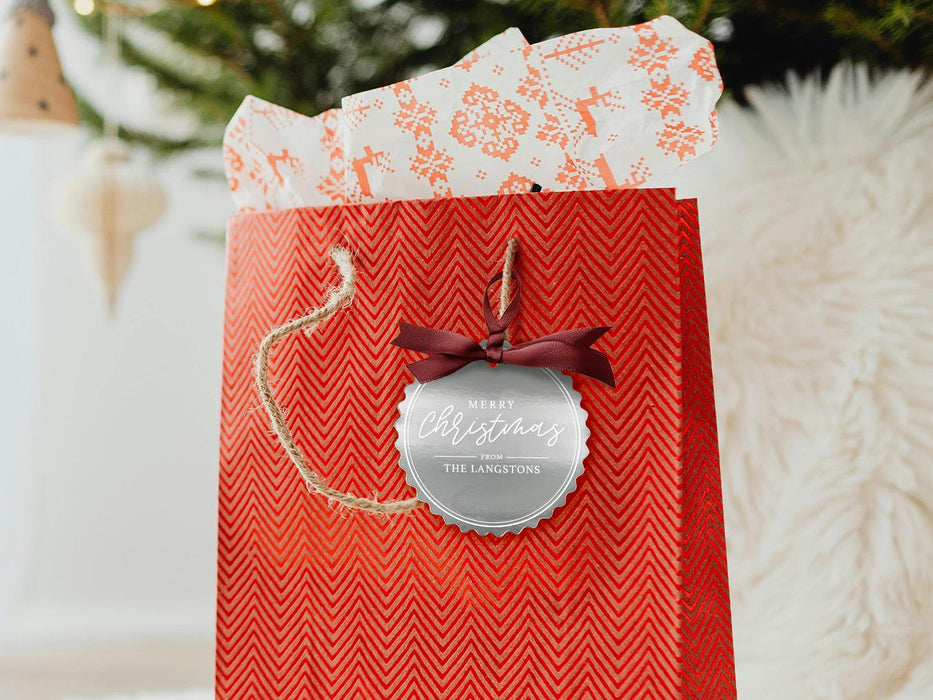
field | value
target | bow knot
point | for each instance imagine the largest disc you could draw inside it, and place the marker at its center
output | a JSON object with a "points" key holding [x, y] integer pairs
{"points": [[568, 351], [494, 348]]}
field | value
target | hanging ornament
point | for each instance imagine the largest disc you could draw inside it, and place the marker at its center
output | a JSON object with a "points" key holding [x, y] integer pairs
{"points": [[34, 95], [110, 196]]}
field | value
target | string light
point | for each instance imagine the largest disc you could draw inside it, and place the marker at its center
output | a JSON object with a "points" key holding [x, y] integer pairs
{"points": [[84, 7]]}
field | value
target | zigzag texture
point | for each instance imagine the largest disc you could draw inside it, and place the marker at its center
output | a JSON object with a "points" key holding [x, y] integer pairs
{"points": [[623, 593]]}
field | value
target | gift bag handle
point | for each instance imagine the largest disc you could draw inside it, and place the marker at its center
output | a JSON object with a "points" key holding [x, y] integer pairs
{"points": [[338, 298]]}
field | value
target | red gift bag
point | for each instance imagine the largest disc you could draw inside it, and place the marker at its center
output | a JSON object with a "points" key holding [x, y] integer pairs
{"points": [[622, 593]]}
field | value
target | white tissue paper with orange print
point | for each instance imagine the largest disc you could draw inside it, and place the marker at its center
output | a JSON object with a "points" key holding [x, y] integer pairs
{"points": [[598, 109], [275, 158]]}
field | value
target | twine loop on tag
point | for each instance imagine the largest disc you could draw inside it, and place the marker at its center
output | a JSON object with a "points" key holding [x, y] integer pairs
{"points": [[499, 327], [568, 350], [338, 298]]}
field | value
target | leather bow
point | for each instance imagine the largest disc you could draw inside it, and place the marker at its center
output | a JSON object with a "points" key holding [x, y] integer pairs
{"points": [[568, 351]]}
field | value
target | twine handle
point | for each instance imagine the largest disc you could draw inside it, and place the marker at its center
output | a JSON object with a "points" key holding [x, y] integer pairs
{"points": [[505, 291], [338, 298]]}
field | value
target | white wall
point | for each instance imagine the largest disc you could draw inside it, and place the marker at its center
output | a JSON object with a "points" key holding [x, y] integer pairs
{"points": [[108, 426], [20, 250]]}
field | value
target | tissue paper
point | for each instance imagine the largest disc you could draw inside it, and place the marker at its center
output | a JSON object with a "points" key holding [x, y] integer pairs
{"points": [[599, 109], [276, 158]]}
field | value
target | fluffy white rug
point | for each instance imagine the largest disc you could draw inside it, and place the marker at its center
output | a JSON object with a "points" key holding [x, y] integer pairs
{"points": [[817, 218]]}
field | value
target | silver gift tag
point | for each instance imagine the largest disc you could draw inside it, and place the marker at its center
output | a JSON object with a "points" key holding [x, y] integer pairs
{"points": [[493, 449]]}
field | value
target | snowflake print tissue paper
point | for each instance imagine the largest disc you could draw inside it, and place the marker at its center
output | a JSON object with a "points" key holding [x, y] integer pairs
{"points": [[599, 109], [276, 158]]}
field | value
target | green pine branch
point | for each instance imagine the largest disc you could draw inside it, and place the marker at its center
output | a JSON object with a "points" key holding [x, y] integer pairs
{"points": [[307, 55]]}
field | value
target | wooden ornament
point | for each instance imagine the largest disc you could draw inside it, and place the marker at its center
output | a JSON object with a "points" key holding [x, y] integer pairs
{"points": [[109, 198], [34, 95]]}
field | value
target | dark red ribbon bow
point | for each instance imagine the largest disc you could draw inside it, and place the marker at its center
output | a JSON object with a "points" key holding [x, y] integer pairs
{"points": [[568, 351]]}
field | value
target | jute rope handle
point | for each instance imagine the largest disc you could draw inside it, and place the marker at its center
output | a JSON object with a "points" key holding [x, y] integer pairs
{"points": [[338, 298]]}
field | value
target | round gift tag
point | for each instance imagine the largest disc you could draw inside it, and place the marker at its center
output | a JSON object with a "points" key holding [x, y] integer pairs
{"points": [[493, 449]]}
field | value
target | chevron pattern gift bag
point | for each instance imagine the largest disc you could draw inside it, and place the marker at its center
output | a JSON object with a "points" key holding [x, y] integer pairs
{"points": [[621, 593]]}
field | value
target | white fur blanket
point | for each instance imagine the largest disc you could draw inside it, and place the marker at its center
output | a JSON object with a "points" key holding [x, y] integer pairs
{"points": [[817, 217]]}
